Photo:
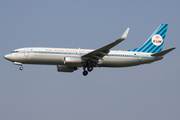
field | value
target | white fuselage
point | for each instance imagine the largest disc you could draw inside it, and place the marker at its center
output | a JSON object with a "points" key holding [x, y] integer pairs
{"points": [[55, 56]]}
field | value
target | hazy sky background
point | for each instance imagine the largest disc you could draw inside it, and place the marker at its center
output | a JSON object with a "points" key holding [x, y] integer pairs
{"points": [[146, 92]]}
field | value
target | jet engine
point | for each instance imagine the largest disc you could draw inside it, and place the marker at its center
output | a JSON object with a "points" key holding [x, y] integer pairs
{"points": [[73, 61], [61, 68]]}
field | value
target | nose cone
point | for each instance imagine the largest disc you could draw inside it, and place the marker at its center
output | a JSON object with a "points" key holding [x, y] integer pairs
{"points": [[8, 57], [5, 56]]}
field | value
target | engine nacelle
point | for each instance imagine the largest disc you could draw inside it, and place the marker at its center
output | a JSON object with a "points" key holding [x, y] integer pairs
{"points": [[61, 68], [73, 61]]}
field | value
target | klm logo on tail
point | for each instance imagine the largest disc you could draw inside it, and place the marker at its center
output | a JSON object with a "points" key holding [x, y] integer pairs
{"points": [[155, 43]]}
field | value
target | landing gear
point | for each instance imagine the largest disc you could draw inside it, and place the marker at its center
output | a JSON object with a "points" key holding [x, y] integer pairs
{"points": [[90, 68], [18, 63], [21, 68], [85, 72]]}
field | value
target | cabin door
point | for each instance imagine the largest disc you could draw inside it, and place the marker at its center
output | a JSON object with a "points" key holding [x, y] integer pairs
{"points": [[26, 52], [139, 57]]}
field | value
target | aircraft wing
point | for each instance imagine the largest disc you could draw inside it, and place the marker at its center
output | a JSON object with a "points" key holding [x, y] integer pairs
{"points": [[101, 52]]}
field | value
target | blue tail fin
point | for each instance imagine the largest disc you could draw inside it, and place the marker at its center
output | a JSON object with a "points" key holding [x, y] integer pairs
{"points": [[155, 43]]}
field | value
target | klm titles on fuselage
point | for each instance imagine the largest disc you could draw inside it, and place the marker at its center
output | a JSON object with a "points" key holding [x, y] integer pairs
{"points": [[67, 51]]}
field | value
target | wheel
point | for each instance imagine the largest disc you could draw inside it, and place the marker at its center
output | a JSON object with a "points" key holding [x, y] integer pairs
{"points": [[85, 72], [21, 68], [90, 69]]}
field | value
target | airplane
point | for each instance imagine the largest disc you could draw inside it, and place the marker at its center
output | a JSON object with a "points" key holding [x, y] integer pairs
{"points": [[69, 60]]}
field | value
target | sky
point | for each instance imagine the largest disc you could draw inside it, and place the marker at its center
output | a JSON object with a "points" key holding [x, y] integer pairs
{"points": [[142, 92]]}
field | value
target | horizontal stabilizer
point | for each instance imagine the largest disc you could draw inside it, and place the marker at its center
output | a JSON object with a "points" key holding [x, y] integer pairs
{"points": [[162, 53]]}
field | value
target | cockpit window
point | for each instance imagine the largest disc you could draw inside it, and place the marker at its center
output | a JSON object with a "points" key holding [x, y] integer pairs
{"points": [[14, 51]]}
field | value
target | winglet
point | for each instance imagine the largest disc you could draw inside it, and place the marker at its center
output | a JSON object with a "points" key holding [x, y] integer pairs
{"points": [[162, 53], [125, 34]]}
